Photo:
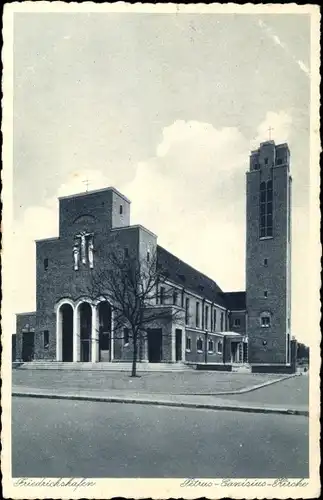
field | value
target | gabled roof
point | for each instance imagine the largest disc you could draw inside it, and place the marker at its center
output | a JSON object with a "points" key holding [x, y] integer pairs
{"points": [[235, 301], [188, 277]]}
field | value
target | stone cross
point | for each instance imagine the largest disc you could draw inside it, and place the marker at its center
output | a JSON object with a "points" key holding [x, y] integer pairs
{"points": [[87, 184], [270, 130]]}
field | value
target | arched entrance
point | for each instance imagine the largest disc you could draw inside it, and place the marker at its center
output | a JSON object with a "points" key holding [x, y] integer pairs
{"points": [[85, 313], [105, 316], [66, 320]]}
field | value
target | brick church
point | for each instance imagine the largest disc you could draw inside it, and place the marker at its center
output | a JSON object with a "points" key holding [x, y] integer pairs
{"points": [[213, 326]]}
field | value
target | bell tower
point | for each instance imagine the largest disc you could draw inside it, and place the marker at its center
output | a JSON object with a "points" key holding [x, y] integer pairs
{"points": [[268, 254]]}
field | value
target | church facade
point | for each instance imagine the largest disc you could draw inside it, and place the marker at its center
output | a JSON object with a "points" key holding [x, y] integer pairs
{"points": [[210, 325]]}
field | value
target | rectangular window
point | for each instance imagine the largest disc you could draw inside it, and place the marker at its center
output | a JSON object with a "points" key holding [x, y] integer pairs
{"points": [[222, 319], [175, 298], [46, 339], [237, 322], [265, 321], [266, 161], [120, 209], [206, 317], [265, 294], [219, 347], [45, 264], [211, 346], [148, 256], [162, 295], [265, 262], [197, 317], [126, 253], [214, 320], [187, 310], [188, 343], [266, 209], [125, 336]]}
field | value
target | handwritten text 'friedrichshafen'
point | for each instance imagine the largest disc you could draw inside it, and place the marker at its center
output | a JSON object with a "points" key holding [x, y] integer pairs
{"points": [[52, 483]]}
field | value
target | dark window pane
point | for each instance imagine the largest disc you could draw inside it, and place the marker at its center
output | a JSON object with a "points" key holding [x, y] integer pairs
{"points": [[269, 220], [262, 232], [262, 196], [262, 186], [270, 207], [269, 195], [270, 185], [269, 231], [262, 208], [262, 221]]}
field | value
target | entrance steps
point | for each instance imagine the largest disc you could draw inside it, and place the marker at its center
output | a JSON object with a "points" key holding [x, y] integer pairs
{"points": [[105, 366], [241, 368]]}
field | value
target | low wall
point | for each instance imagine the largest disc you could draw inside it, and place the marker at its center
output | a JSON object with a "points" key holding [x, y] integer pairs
{"points": [[272, 369], [215, 368]]}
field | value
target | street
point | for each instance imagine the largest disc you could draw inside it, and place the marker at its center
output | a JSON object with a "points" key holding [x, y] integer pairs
{"points": [[61, 438]]}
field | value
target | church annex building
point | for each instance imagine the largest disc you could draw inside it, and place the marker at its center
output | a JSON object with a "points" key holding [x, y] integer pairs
{"points": [[215, 326]]}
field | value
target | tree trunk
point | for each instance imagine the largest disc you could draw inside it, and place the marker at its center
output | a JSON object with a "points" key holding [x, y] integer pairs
{"points": [[134, 356]]}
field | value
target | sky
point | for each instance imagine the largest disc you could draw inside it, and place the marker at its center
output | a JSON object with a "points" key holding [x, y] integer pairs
{"points": [[166, 108]]}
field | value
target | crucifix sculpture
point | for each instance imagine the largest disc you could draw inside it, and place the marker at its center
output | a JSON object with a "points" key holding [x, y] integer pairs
{"points": [[86, 240]]}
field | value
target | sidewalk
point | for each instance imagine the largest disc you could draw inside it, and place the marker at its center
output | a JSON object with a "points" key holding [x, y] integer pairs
{"points": [[181, 383], [178, 401]]}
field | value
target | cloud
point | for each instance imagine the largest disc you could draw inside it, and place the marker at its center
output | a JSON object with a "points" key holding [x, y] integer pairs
{"points": [[277, 41]]}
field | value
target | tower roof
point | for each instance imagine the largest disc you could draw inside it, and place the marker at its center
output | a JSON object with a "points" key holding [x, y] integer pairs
{"points": [[95, 191]]}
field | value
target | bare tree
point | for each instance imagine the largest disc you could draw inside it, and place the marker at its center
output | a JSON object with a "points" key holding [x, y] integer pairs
{"points": [[133, 287]]}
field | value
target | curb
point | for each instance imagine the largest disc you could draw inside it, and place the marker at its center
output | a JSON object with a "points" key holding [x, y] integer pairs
{"points": [[246, 389], [175, 404]]}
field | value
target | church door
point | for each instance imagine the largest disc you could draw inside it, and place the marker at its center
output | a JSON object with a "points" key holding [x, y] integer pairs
{"points": [[104, 331], [28, 341], [178, 345], [155, 345], [86, 328], [67, 331]]}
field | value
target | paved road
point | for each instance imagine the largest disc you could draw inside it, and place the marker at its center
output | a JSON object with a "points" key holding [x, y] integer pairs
{"points": [[55, 438]]}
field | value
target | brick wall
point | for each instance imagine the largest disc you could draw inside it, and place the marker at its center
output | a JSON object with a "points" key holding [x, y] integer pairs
{"points": [[267, 345], [193, 356], [241, 317]]}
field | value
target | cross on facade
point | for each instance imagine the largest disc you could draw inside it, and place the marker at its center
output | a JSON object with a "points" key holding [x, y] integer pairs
{"points": [[270, 130], [87, 184]]}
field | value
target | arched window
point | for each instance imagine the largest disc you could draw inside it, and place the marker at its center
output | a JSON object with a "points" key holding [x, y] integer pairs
{"points": [[199, 344], [265, 319], [266, 209]]}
